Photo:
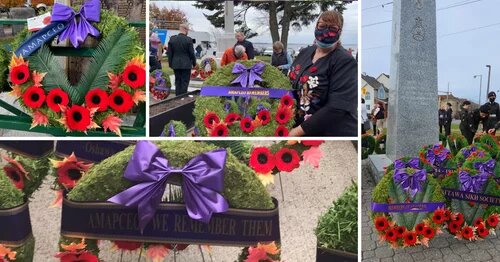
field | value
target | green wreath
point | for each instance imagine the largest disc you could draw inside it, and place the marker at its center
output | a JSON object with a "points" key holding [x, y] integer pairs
{"points": [[456, 142], [380, 144], [367, 145], [178, 127], [442, 139], [242, 188], [488, 142], [112, 85], [218, 116], [16, 190]]}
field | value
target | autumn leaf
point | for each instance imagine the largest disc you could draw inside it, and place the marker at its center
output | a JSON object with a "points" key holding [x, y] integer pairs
{"points": [[16, 61], [313, 156], [5, 251], [139, 96], [58, 200], [266, 179], [270, 248], [256, 255], [39, 119], [74, 247], [112, 123], [157, 253], [114, 80], [16, 91], [37, 78]]}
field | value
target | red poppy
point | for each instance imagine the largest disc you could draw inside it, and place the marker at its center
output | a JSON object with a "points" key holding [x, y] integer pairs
{"points": [[429, 232], [410, 238], [381, 223], [79, 257], [454, 227], [19, 74], [178, 247], [401, 230], [482, 231], [467, 232], [292, 75], [438, 217], [313, 69], [286, 101], [97, 98], [219, 129], [15, 176], [56, 98], [298, 67], [134, 76], [246, 125], [287, 159], [447, 215], [312, 142], [34, 97], [391, 235], [459, 218], [281, 131], [283, 115], [261, 160], [210, 119], [419, 228], [492, 220], [264, 116], [77, 118], [127, 245], [120, 101], [231, 118], [304, 79], [479, 221], [70, 170]]}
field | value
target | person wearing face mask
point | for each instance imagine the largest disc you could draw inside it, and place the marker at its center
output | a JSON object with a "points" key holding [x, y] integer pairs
{"points": [[325, 83], [280, 58], [494, 114]]}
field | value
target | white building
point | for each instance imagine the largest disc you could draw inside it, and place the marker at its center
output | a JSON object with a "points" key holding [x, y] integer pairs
{"points": [[375, 90]]}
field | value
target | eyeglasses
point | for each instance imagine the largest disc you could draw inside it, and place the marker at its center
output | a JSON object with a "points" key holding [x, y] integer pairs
{"points": [[323, 26]]}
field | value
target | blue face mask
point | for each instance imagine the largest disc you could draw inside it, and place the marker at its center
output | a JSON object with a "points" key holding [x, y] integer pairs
{"points": [[326, 37]]}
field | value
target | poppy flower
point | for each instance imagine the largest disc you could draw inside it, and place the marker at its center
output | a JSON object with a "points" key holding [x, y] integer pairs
{"points": [[438, 217], [210, 119], [286, 101], [482, 231], [34, 97], [19, 74], [303, 79], [120, 101], [467, 232], [454, 227], [479, 221], [127, 245], [219, 129], [419, 228], [381, 223], [77, 118], [298, 67], [283, 115], [410, 238], [459, 218], [80, 257], [447, 215], [231, 118], [429, 232], [57, 98], [15, 174], [134, 75], [70, 170], [287, 159], [261, 160], [292, 75], [264, 116], [312, 142], [391, 235], [492, 220], [313, 69], [246, 125], [97, 98], [401, 230], [281, 131]]}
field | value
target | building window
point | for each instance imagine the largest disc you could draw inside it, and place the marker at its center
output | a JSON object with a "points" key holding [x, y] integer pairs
{"points": [[381, 92], [368, 107], [367, 96]]}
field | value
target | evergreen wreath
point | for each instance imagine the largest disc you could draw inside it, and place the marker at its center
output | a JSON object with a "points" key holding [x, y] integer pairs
{"points": [[367, 145]]}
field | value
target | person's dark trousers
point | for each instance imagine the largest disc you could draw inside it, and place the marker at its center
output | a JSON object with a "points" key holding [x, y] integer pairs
{"points": [[447, 129], [468, 135], [441, 128], [154, 64], [182, 77], [374, 129]]}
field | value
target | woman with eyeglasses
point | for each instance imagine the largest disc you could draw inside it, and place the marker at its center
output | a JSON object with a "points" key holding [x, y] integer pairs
{"points": [[324, 80]]}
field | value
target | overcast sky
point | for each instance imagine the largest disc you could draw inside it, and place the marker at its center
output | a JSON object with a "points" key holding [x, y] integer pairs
{"points": [[305, 36], [468, 39]]}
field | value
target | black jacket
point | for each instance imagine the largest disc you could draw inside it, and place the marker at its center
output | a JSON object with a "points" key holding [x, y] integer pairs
{"points": [[442, 116], [248, 48], [493, 117], [181, 52]]}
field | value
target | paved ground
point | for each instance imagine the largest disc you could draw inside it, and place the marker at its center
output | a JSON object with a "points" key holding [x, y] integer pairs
{"points": [[443, 248], [308, 193]]}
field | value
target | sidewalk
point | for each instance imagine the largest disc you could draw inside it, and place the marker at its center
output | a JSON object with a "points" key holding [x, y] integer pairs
{"points": [[442, 248]]}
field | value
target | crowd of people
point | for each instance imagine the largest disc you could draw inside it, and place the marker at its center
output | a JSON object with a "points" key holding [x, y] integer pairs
{"points": [[487, 115], [323, 75]]}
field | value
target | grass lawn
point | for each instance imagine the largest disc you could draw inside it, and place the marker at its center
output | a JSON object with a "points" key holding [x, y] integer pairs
{"points": [[454, 129]]}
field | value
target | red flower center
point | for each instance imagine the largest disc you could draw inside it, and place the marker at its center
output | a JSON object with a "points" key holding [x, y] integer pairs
{"points": [[74, 174], [231, 119], [118, 100], [132, 76], [262, 159], [287, 157], [77, 116], [401, 230]]}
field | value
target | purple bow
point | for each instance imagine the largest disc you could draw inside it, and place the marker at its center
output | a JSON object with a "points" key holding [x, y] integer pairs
{"points": [[411, 183], [472, 184], [171, 130], [412, 163], [78, 23], [486, 167], [203, 180], [247, 76]]}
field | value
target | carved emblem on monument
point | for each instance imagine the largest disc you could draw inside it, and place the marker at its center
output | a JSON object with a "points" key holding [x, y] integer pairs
{"points": [[418, 30], [419, 4]]}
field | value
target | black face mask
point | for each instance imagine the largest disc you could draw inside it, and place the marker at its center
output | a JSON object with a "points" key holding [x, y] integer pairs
{"points": [[492, 99]]}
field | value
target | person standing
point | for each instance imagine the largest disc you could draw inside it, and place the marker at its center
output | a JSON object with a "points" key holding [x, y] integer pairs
{"points": [[442, 118], [449, 119], [373, 119], [380, 117], [240, 40], [181, 58], [466, 122], [364, 117], [155, 52], [198, 50], [280, 58], [494, 110]]}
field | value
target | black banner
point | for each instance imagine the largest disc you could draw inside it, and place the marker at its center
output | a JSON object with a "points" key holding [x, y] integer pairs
{"points": [[33, 149], [93, 151], [15, 225]]}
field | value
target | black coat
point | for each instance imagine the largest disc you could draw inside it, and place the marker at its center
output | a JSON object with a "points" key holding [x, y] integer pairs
{"points": [[248, 48], [442, 116], [181, 52], [494, 110]]}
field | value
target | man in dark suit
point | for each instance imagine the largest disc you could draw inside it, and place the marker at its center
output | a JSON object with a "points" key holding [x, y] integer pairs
{"points": [[181, 58], [240, 38]]}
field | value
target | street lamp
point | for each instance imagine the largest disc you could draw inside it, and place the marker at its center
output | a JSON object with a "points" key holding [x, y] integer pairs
{"points": [[480, 86], [489, 74]]}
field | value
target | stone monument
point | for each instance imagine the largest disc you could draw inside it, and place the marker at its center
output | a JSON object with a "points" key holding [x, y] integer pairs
{"points": [[413, 99], [226, 39]]}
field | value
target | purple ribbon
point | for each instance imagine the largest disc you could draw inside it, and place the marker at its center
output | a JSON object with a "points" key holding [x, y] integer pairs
{"points": [[472, 184], [203, 180], [406, 207], [78, 23], [486, 167], [230, 91], [411, 183], [171, 130], [247, 76], [412, 163]]}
